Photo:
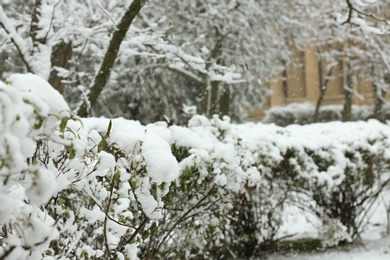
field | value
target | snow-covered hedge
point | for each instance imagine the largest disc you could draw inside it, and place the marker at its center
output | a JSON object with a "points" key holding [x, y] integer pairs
{"points": [[303, 113], [76, 188], [340, 167]]}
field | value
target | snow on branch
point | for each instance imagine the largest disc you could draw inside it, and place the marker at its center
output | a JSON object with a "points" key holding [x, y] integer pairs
{"points": [[354, 11], [193, 67], [34, 51], [20, 44]]}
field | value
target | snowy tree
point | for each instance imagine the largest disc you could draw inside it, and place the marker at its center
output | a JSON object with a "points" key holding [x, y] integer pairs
{"points": [[352, 39], [212, 56], [220, 54], [46, 41]]}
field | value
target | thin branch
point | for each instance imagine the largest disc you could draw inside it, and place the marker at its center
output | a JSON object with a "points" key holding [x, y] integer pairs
{"points": [[184, 216], [187, 74], [372, 16], [107, 215], [106, 13], [52, 18], [136, 232], [107, 253], [351, 9]]}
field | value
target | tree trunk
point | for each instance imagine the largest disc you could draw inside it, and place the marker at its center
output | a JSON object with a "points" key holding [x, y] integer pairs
{"points": [[224, 101], [348, 92], [323, 88], [210, 99], [110, 56], [379, 97], [60, 57]]}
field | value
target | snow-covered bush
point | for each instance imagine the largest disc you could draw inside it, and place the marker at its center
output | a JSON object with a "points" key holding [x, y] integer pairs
{"points": [[28, 118], [303, 113], [343, 167], [85, 188], [333, 232], [74, 188], [295, 113], [215, 170], [264, 168]]}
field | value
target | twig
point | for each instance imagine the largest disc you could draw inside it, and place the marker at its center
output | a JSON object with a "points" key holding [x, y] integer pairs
{"points": [[184, 216], [108, 216], [108, 254], [136, 232]]}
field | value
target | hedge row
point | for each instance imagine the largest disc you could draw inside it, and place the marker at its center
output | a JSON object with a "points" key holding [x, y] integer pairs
{"points": [[76, 188], [303, 114]]}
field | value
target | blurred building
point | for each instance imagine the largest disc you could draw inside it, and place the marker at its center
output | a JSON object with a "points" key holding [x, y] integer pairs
{"points": [[303, 79]]}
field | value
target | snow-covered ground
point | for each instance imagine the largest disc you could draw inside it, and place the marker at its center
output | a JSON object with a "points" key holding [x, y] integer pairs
{"points": [[375, 244], [370, 250]]}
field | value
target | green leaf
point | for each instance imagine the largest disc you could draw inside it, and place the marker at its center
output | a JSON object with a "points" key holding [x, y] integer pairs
{"points": [[109, 129], [71, 151], [117, 175], [145, 234], [153, 228], [64, 121], [61, 202], [39, 122], [102, 146]]}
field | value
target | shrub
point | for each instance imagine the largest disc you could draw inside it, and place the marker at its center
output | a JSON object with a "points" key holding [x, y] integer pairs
{"points": [[303, 114], [70, 187], [89, 188], [215, 170], [342, 171]]}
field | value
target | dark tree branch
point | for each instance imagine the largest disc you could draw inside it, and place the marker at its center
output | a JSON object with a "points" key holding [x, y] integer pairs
{"points": [[60, 57], [110, 56], [133, 236], [350, 11]]}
